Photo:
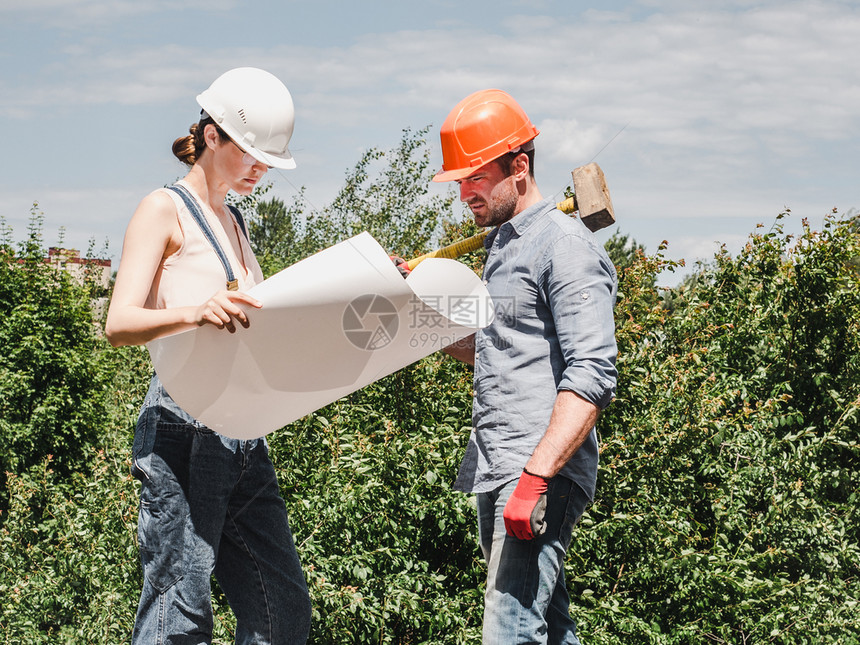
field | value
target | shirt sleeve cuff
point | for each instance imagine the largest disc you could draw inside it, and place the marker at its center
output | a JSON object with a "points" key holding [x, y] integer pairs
{"points": [[595, 389]]}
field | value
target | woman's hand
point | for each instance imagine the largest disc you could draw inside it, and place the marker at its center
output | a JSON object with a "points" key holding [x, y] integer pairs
{"points": [[222, 309]]}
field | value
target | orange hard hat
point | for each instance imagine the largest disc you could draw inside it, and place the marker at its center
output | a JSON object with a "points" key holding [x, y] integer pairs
{"points": [[482, 127]]}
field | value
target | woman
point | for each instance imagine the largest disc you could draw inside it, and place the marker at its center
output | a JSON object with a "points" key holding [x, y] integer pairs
{"points": [[208, 504]]}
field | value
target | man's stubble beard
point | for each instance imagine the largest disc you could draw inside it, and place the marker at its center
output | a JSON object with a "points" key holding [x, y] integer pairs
{"points": [[501, 207]]}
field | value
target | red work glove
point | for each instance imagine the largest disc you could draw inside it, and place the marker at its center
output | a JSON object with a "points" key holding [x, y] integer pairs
{"points": [[401, 265], [524, 512]]}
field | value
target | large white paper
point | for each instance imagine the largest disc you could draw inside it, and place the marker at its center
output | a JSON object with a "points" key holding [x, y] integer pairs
{"points": [[329, 325]]}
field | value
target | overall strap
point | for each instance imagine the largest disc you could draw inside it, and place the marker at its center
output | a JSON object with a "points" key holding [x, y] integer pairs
{"points": [[208, 233], [239, 219]]}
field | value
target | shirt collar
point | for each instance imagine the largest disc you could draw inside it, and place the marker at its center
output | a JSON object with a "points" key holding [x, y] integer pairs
{"points": [[522, 220]]}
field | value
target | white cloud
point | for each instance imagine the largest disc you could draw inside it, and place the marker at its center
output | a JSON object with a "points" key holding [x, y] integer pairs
{"points": [[74, 14], [723, 105], [777, 68]]}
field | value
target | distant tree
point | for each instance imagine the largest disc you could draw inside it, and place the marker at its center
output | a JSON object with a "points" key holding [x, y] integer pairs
{"points": [[629, 255], [387, 194], [623, 250], [277, 234], [394, 205]]}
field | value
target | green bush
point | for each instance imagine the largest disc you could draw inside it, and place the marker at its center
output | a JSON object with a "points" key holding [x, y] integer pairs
{"points": [[728, 491], [389, 549], [70, 571], [52, 385], [726, 508]]}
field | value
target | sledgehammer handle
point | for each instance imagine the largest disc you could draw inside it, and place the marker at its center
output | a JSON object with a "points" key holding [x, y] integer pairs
{"points": [[475, 242], [451, 251]]}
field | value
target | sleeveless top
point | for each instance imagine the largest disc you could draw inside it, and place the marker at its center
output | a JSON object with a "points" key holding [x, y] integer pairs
{"points": [[194, 273]]}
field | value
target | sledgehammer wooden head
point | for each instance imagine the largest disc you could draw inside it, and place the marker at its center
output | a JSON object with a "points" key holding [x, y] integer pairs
{"points": [[591, 196]]}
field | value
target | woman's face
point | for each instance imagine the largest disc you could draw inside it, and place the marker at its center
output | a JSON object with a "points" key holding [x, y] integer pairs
{"points": [[238, 169], [246, 170]]}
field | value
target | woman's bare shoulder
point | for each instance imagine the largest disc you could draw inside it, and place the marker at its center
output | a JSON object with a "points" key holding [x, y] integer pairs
{"points": [[155, 222]]}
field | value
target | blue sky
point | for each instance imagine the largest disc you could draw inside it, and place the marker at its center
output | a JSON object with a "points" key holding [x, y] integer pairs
{"points": [[728, 112]]}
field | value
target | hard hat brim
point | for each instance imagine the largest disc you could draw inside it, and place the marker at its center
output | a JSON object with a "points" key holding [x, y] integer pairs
{"points": [[284, 162], [456, 174]]}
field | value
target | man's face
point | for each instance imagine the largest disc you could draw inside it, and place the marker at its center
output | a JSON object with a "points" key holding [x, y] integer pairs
{"points": [[491, 196]]}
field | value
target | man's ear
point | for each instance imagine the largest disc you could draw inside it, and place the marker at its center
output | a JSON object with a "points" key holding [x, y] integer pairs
{"points": [[520, 166]]}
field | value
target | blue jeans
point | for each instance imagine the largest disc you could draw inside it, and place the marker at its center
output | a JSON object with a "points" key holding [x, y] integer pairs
{"points": [[526, 599], [211, 505]]}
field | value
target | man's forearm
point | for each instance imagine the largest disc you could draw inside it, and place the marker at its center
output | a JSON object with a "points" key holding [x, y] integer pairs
{"points": [[570, 424], [462, 350]]}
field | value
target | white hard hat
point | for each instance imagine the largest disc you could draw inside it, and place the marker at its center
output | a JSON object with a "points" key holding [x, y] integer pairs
{"points": [[256, 111]]}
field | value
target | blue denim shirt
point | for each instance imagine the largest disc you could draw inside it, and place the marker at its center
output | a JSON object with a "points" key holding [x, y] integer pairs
{"points": [[553, 288]]}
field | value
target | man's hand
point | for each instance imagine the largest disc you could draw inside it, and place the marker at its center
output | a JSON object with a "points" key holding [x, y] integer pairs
{"points": [[401, 265], [524, 512]]}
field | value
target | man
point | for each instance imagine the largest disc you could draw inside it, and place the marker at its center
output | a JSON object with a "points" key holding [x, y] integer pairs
{"points": [[544, 369]]}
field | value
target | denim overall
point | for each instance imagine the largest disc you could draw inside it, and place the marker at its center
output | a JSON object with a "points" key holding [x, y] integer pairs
{"points": [[211, 505]]}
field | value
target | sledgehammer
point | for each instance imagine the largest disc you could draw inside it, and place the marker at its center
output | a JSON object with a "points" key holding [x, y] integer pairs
{"points": [[591, 199]]}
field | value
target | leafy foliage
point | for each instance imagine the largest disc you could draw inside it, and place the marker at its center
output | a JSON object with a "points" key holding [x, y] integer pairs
{"points": [[728, 489], [624, 251], [52, 387], [276, 232], [389, 548], [69, 560], [727, 504], [394, 205]]}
